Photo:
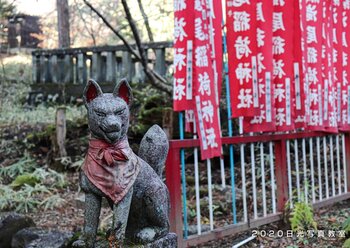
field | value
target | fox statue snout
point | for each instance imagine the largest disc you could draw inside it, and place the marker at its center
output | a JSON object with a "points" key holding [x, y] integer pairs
{"points": [[132, 184]]}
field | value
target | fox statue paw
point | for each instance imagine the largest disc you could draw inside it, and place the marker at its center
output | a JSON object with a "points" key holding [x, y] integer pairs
{"points": [[79, 244]]}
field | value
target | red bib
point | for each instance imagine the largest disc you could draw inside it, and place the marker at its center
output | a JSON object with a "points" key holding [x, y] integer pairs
{"points": [[112, 168]]}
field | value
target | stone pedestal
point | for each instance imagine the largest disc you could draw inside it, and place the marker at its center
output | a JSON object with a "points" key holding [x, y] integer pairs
{"points": [[169, 241]]}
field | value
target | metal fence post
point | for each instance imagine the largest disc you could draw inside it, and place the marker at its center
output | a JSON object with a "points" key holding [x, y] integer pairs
{"points": [[173, 182], [347, 157], [281, 174]]}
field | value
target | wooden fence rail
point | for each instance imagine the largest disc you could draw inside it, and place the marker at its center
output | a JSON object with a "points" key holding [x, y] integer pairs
{"points": [[62, 73]]}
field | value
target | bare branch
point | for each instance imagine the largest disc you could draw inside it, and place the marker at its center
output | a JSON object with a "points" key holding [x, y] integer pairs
{"points": [[156, 80], [145, 19], [116, 32], [90, 32]]}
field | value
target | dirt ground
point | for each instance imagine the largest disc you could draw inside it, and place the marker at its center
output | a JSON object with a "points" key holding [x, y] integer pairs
{"points": [[70, 217], [329, 218]]}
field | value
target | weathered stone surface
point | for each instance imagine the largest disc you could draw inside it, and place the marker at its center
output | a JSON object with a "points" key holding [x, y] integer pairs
{"points": [[10, 224], [23, 237], [169, 241], [80, 202], [39, 238], [192, 229], [141, 202], [154, 147]]}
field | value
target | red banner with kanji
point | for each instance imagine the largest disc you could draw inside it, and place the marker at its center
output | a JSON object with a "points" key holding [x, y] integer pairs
{"points": [[216, 46], [298, 66], [265, 120], [183, 55], [334, 72], [206, 110], [337, 12], [345, 110], [241, 47], [282, 50], [216, 17], [311, 14]]}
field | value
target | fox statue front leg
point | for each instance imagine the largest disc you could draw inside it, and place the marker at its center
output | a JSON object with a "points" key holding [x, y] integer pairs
{"points": [[120, 218]]}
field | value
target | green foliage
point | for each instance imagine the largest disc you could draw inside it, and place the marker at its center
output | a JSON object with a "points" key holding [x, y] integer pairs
{"points": [[148, 107], [6, 8], [346, 243], [13, 112], [23, 200], [52, 202], [26, 178], [31, 188], [50, 177], [28, 198], [346, 226], [14, 89], [25, 164], [302, 217]]}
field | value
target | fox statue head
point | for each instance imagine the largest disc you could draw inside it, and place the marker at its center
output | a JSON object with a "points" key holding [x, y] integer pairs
{"points": [[108, 113]]}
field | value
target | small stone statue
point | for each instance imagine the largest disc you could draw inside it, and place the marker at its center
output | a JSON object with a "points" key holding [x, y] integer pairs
{"points": [[136, 193]]}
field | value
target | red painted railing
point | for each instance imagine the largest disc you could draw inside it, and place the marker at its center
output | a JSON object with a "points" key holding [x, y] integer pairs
{"points": [[173, 180]]}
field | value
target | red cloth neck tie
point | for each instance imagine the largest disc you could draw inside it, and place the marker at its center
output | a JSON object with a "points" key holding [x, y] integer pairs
{"points": [[108, 152]]}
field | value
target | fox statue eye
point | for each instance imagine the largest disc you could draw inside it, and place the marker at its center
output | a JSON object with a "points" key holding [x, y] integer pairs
{"points": [[119, 112], [101, 114]]}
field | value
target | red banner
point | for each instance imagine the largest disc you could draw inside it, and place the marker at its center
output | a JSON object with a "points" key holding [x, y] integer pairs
{"points": [[299, 89], [183, 55], [337, 10], [207, 116], [241, 47], [311, 13], [216, 10], [216, 45], [264, 122], [282, 49], [331, 58], [345, 110]]}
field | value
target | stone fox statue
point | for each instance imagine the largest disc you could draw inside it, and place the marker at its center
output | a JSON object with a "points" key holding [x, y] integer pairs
{"points": [[132, 184]]}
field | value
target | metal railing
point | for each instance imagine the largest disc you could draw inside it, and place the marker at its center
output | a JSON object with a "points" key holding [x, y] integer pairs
{"points": [[271, 170]]}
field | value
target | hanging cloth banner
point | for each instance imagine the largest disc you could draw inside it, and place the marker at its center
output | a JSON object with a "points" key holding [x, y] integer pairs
{"points": [[206, 111], [298, 82], [282, 50], [183, 55], [337, 13], [340, 57], [216, 16], [217, 56], [330, 73], [345, 110], [265, 121], [327, 63], [304, 62], [241, 47], [311, 13]]}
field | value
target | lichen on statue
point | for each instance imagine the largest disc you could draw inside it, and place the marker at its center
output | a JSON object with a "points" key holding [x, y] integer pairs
{"points": [[132, 184]]}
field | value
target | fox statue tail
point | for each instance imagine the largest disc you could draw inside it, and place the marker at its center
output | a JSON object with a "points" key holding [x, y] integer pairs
{"points": [[154, 148]]}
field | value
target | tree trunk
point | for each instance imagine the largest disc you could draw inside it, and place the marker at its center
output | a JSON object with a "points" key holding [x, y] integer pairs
{"points": [[63, 23]]}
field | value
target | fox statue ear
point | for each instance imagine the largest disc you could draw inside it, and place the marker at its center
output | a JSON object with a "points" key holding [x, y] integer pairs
{"points": [[91, 91], [123, 90]]}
